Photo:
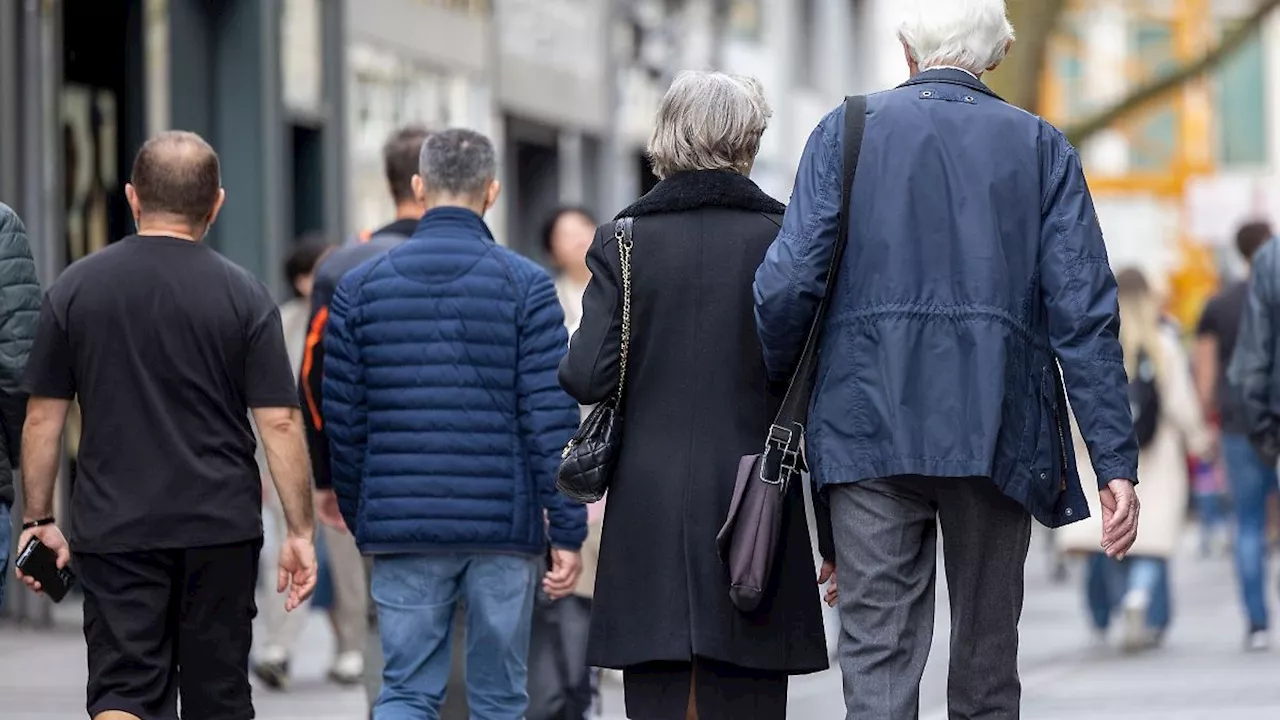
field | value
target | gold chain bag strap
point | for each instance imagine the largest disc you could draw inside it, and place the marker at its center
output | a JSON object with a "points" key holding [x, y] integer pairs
{"points": [[587, 463]]}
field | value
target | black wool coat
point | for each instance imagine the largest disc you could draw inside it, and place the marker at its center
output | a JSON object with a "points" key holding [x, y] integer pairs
{"points": [[697, 400]]}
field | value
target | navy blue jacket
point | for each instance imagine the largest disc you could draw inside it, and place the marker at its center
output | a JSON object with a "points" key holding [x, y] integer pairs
{"points": [[444, 415], [975, 278], [1255, 364]]}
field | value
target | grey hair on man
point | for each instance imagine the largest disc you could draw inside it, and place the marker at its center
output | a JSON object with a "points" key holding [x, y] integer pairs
{"points": [[457, 167], [973, 35], [709, 121]]}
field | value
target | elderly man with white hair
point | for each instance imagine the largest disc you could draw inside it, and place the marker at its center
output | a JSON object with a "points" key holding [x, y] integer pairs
{"points": [[974, 282]]}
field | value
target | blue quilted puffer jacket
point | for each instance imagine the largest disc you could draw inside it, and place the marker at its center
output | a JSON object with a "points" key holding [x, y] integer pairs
{"points": [[444, 416]]}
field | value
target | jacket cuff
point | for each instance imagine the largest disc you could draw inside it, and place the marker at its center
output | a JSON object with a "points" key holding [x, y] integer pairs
{"points": [[571, 541], [1115, 470]]}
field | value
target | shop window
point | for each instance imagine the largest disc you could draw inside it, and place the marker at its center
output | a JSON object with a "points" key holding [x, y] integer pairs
{"points": [[805, 46], [745, 22], [1240, 107], [470, 7], [1154, 134]]}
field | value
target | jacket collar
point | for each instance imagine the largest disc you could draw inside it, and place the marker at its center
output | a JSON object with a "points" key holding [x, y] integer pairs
{"points": [[452, 220], [951, 76], [699, 189]]}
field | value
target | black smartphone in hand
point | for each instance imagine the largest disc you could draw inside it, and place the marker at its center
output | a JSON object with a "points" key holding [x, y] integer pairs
{"points": [[41, 564]]}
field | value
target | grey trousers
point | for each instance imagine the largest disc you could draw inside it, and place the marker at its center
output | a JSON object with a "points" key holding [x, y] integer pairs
{"points": [[455, 697], [886, 536]]}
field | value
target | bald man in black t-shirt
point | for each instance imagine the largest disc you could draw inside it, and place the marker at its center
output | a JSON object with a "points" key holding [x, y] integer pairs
{"points": [[167, 346]]}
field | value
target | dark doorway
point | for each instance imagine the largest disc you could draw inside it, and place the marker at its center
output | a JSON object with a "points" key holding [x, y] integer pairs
{"points": [[535, 181], [308, 181], [102, 107]]}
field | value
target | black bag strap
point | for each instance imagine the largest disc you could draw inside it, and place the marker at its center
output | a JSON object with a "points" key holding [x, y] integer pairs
{"points": [[795, 405]]}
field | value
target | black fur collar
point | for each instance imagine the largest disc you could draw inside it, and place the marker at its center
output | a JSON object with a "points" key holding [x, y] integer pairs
{"points": [[704, 188]]}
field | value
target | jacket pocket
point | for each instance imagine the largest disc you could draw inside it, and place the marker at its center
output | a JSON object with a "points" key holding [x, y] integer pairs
{"points": [[1049, 469]]}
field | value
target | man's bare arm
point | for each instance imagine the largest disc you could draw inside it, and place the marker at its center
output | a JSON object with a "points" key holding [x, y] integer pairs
{"points": [[290, 466], [41, 444], [1206, 371]]}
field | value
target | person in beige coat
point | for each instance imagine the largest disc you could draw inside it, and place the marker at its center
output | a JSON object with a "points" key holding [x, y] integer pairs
{"points": [[1138, 583], [350, 603]]}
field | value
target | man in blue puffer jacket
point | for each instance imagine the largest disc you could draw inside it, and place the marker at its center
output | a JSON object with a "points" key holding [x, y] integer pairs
{"points": [[445, 425]]}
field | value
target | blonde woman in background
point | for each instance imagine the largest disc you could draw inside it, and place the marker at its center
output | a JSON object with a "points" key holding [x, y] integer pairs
{"points": [[1139, 583]]}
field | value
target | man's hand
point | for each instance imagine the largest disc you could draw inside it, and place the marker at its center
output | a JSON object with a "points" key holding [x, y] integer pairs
{"points": [[327, 510], [828, 572], [51, 537], [566, 566], [298, 570], [1119, 517]]}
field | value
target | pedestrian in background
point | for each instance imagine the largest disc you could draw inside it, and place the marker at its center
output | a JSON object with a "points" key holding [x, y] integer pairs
{"points": [[349, 609], [696, 401], [1158, 367], [168, 346], [1252, 374], [19, 310], [1250, 477], [445, 427], [560, 682], [974, 282]]}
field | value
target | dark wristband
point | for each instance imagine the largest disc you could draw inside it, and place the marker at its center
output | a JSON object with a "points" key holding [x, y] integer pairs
{"points": [[37, 523]]}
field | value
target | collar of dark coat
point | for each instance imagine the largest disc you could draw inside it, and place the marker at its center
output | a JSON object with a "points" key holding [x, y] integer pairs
{"points": [[698, 189], [951, 77]]}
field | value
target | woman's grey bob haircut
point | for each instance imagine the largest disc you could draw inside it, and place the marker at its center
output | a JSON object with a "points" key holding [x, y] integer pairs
{"points": [[709, 121]]}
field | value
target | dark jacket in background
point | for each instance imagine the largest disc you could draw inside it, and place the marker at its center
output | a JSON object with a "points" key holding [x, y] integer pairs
{"points": [[20, 299], [445, 421], [697, 400], [975, 280], [1255, 369], [310, 386]]}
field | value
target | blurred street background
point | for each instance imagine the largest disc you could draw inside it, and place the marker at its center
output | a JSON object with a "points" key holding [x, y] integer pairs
{"points": [[1174, 103]]}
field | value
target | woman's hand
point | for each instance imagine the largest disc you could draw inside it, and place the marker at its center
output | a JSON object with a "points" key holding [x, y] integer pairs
{"points": [[828, 573]]}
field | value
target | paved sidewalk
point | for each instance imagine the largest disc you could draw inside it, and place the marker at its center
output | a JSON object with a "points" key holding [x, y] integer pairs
{"points": [[42, 675], [1201, 673]]}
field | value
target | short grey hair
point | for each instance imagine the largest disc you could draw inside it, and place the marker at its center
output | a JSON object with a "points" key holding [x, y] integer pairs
{"points": [[709, 121], [457, 162], [970, 34]]}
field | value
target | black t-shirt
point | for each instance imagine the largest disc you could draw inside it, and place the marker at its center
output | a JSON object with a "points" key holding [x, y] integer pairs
{"points": [[405, 227], [1221, 319], [167, 345]]}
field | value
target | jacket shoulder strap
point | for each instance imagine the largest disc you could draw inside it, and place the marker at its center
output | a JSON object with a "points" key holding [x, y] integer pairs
{"points": [[795, 406]]}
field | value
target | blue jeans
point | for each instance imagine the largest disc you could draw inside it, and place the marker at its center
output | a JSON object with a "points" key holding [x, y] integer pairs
{"points": [[6, 530], [1252, 483], [1107, 581], [416, 596]]}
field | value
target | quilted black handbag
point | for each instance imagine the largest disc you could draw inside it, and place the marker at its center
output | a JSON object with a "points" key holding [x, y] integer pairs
{"points": [[587, 463]]}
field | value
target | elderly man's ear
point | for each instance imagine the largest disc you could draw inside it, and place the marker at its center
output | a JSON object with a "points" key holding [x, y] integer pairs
{"points": [[419, 188], [1008, 47]]}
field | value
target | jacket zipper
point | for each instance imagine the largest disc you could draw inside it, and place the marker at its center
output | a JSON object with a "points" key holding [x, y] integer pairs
{"points": [[1062, 447]]}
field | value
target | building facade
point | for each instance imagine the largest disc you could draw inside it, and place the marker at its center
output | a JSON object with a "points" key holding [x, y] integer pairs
{"points": [[261, 80]]}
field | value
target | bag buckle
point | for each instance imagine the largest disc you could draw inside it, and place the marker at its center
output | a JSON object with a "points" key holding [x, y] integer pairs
{"points": [[782, 440]]}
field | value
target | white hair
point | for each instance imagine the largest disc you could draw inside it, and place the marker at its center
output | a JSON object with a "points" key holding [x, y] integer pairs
{"points": [[969, 34], [708, 121]]}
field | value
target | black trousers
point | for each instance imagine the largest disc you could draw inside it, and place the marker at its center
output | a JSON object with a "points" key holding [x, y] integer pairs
{"points": [[164, 623], [660, 691], [559, 679]]}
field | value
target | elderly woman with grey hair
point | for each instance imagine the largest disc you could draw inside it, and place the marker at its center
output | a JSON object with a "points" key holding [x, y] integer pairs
{"points": [[696, 401]]}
